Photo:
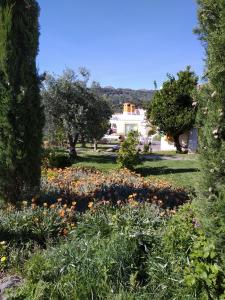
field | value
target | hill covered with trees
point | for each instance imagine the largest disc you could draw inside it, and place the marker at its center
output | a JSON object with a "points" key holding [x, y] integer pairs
{"points": [[121, 95]]}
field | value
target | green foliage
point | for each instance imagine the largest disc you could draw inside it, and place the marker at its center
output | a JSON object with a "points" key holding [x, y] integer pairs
{"points": [[204, 271], [117, 97], [21, 117], [38, 224], [104, 257], [171, 108], [210, 99], [73, 109], [166, 266], [128, 156], [52, 158]]}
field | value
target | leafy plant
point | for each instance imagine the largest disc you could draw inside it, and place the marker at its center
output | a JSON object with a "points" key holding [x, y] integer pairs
{"points": [[104, 256], [171, 108], [205, 271], [128, 156]]}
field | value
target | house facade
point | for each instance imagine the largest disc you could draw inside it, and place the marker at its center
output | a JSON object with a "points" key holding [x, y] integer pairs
{"points": [[132, 118]]}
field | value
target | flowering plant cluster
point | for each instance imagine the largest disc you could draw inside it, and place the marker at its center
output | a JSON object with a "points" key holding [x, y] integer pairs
{"points": [[88, 185]]}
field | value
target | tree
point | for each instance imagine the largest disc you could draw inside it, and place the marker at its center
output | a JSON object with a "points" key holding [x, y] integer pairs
{"points": [[211, 102], [97, 117], [210, 99], [21, 114], [71, 105], [128, 156], [171, 108]]}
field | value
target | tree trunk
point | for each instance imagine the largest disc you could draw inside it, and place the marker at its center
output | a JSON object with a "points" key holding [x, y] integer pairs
{"points": [[95, 145], [72, 146], [177, 144]]}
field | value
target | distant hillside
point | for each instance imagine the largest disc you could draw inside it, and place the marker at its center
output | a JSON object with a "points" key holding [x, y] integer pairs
{"points": [[119, 96]]}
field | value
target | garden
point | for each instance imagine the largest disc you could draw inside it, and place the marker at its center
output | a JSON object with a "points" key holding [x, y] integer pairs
{"points": [[79, 223]]}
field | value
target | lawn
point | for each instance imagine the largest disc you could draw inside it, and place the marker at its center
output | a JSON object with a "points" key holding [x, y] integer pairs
{"points": [[183, 172]]}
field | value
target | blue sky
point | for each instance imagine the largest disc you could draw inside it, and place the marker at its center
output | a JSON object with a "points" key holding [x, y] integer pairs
{"points": [[124, 43]]}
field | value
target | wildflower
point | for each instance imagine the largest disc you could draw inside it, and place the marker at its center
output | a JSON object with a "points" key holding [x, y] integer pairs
{"points": [[45, 204], [90, 204], [74, 203], [45, 213], [62, 213], [3, 258], [24, 203], [52, 206], [2, 243], [59, 200], [65, 206]]}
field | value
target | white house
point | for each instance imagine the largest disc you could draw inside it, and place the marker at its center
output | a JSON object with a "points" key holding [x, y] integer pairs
{"points": [[133, 118], [130, 119]]}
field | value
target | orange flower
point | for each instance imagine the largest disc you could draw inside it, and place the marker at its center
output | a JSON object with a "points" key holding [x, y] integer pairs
{"points": [[90, 204], [62, 213]]}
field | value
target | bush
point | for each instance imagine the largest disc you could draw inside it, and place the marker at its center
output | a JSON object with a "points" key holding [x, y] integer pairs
{"points": [[128, 156], [53, 159]]}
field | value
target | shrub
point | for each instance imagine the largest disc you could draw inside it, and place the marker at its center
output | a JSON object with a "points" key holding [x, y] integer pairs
{"points": [[53, 159], [128, 156], [205, 272]]}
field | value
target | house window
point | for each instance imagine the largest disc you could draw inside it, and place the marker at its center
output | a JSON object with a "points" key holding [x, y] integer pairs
{"points": [[130, 127]]}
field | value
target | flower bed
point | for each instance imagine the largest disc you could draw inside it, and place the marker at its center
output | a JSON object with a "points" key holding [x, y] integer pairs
{"points": [[84, 185]]}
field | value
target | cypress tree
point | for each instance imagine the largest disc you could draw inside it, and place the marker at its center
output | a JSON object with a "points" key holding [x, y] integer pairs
{"points": [[211, 115], [21, 114]]}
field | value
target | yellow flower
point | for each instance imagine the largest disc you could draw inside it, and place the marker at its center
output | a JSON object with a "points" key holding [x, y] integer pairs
{"points": [[74, 203], [2, 243], [3, 258], [90, 204]]}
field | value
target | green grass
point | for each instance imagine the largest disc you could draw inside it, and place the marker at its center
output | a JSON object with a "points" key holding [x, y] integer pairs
{"points": [[183, 173]]}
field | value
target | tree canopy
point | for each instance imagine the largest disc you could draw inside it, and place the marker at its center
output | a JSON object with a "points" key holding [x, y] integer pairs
{"points": [[171, 108], [78, 110]]}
